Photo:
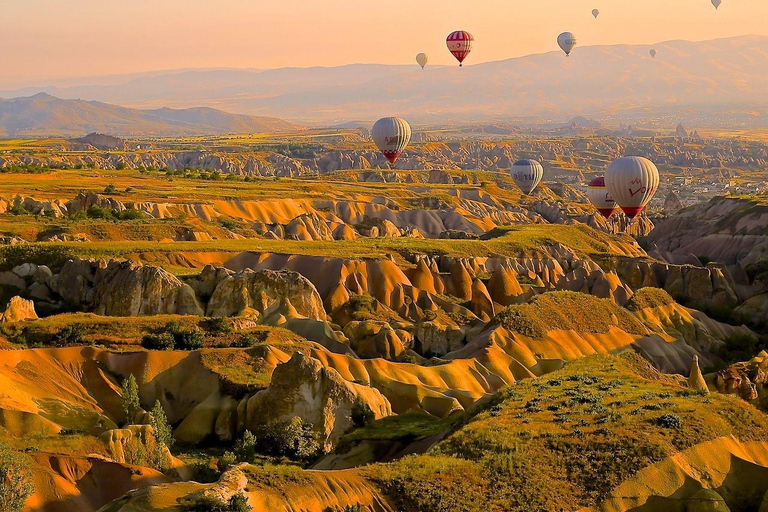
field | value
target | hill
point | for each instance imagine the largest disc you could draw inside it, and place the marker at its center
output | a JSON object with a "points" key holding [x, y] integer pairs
{"points": [[46, 115], [692, 80]]}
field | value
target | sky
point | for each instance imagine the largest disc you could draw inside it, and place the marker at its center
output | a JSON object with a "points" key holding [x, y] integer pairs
{"points": [[44, 41]]}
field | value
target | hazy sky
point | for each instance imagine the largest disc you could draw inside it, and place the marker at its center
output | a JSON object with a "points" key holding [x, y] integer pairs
{"points": [[45, 39]]}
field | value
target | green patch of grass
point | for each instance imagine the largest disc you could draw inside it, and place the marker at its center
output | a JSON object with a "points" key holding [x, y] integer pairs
{"points": [[647, 298], [402, 427], [566, 442], [567, 311]]}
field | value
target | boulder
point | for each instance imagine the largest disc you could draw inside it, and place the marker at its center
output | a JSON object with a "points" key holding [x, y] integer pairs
{"points": [[19, 310], [275, 295], [303, 387]]}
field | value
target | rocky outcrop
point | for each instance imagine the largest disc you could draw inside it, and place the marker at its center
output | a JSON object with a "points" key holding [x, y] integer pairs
{"points": [[19, 310], [748, 380], [124, 288], [271, 294], [303, 387]]}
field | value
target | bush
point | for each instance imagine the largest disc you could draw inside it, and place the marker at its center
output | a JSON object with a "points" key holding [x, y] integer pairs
{"points": [[740, 347], [238, 503], [17, 209], [216, 325], [670, 420], [202, 503], [110, 189], [15, 480], [68, 336], [226, 461], [246, 447], [130, 214], [52, 256], [97, 212], [362, 414], [161, 341], [189, 340], [229, 224], [293, 438]]}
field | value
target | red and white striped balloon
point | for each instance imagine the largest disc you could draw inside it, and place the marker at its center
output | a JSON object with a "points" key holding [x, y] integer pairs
{"points": [[632, 181], [599, 196], [460, 44]]}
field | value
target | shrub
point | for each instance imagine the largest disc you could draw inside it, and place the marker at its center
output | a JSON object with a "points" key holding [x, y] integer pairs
{"points": [[238, 503], [245, 447], [229, 224], [69, 335], [97, 212], [129, 398], [17, 209], [670, 420], [226, 461], [202, 503], [189, 340], [740, 347], [110, 189], [52, 256], [161, 341], [15, 480], [362, 414], [217, 325], [130, 214]]}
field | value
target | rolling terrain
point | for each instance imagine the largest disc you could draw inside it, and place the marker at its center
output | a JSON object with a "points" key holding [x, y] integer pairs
{"points": [[45, 115], [719, 80]]}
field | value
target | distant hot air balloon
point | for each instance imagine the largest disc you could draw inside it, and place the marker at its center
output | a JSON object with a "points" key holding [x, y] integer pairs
{"points": [[527, 174], [460, 44], [653, 53], [391, 135], [717, 3], [595, 13], [632, 182], [422, 59], [599, 196], [567, 42]]}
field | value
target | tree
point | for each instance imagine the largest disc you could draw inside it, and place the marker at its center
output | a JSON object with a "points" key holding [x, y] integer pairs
{"points": [[15, 480], [239, 503], [160, 425], [130, 399]]}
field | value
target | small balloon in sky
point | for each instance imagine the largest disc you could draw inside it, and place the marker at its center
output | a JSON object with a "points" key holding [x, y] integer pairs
{"points": [[567, 42], [595, 13], [460, 44], [717, 3], [422, 59], [653, 53]]}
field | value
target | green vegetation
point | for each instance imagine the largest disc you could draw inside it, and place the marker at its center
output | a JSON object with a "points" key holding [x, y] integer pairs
{"points": [[647, 298], [129, 398], [205, 503], [50, 255], [741, 347], [174, 336], [565, 441], [15, 480], [567, 311], [293, 438]]}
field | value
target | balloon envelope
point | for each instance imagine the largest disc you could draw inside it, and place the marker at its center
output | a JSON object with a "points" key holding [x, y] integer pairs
{"points": [[567, 42], [653, 53], [527, 175], [632, 182], [599, 196], [717, 3], [422, 59], [460, 44], [595, 13], [391, 135]]}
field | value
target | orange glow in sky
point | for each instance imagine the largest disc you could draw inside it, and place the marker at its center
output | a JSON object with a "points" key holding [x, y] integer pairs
{"points": [[46, 39]]}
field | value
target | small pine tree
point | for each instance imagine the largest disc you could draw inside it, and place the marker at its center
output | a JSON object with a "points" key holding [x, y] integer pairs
{"points": [[130, 399], [15, 480], [163, 430], [239, 503]]}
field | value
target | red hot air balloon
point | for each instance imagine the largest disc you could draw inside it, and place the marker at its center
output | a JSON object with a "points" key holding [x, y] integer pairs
{"points": [[599, 196], [460, 44], [632, 181]]}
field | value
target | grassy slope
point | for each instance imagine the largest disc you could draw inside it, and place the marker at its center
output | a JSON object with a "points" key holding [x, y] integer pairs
{"points": [[565, 441]]}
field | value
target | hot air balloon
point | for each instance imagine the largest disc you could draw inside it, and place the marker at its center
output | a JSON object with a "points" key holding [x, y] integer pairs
{"points": [[527, 174], [422, 59], [391, 135], [717, 3], [600, 197], [460, 44], [567, 42], [595, 13], [632, 181], [653, 53]]}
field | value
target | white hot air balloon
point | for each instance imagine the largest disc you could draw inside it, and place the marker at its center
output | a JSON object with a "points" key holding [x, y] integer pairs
{"points": [[422, 59], [717, 3], [567, 42], [527, 175], [599, 196], [653, 53], [632, 181], [595, 13], [391, 135]]}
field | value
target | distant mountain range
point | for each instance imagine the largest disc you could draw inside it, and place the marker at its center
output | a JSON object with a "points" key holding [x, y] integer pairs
{"points": [[716, 79], [45, 115]]}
